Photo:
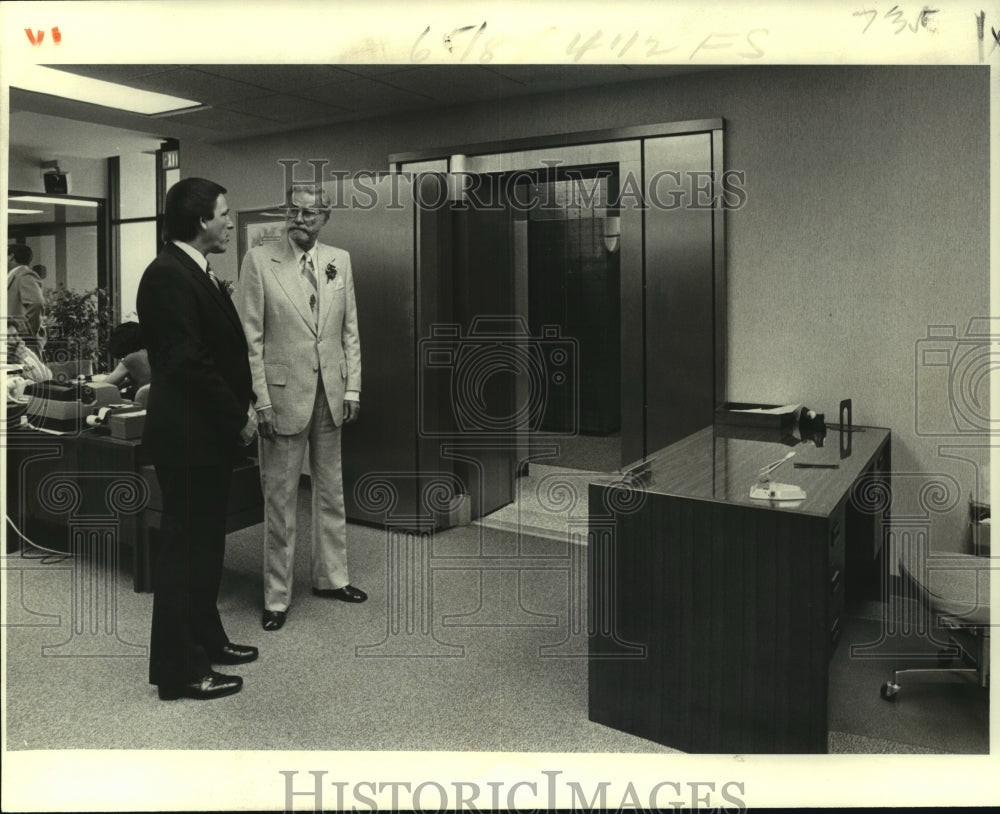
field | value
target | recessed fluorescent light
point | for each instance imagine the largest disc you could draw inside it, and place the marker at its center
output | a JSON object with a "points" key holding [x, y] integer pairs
{"points": [[56, 201], [24, 211], [94, 91]]}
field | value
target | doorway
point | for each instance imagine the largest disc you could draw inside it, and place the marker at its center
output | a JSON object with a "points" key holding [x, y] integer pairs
{"points": [[573, 286]]}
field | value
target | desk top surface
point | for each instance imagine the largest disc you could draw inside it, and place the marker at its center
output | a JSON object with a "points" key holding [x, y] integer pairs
{"points": [[721, 463], [28, 436]]}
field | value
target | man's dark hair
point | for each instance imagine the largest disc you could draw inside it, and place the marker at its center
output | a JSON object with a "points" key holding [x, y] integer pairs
{"points": [[22, 253], [188, 201], [125, 339]]}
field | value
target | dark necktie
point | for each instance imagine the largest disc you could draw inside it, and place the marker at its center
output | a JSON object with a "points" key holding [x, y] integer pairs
{"points": [[214, 279], [310, 274]]}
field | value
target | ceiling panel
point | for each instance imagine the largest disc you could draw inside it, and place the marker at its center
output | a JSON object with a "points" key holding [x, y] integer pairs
{"points": [[251, 100], [443, 84], [113, 73], [368, 95], [200, 85], [235, 125], [285, 109], [283, 78]]}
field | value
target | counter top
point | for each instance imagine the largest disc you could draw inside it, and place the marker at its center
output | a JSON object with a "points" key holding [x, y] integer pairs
{"points": [[721, 462]]}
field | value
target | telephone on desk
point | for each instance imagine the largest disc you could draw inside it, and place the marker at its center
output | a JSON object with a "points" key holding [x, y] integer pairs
{"points": [[810, 427]]}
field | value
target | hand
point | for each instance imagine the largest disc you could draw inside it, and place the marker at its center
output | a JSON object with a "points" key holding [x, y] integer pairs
{"points": [[352, 409], [265, 425], [249, 430]]}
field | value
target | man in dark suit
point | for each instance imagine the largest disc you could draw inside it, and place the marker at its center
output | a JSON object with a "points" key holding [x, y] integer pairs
{"points": [[198, 414]]}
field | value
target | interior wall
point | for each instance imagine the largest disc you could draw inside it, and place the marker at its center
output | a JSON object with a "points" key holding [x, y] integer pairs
{"points": [[88, 176], [866, 221]]}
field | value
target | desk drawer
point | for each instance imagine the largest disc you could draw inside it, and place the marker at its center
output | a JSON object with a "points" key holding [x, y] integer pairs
{"points": [[836, 548]]}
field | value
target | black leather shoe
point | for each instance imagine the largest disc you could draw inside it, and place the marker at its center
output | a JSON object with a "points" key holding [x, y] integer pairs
{"points": [[273, 620], [346, 594], [235, 654], [214, 685]]}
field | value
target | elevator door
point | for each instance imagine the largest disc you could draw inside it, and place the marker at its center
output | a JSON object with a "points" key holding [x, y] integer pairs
{"points": [[573, 284], [487, 361]]}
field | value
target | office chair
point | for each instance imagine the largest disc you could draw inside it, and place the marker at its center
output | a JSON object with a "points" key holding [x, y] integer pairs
{"points": [[953, 592]]}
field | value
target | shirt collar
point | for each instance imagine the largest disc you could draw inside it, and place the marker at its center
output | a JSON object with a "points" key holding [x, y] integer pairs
{"points": [[299, 252], [193, 253]]}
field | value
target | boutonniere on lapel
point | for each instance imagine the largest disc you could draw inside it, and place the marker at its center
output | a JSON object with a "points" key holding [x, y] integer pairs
{"points": [[331, 272], [228, 287]]}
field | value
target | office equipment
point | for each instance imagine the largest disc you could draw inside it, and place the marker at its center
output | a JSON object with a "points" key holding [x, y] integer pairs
{"points": [[766, 489], [954, 595], [64, 406], [127, 424], [750, 414], [716, 615]]}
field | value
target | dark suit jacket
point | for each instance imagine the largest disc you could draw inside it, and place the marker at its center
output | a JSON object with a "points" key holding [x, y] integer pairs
{"points": [[200, 388]]}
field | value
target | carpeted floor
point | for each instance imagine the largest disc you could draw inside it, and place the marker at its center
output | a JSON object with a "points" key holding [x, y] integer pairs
{"points": [[495, 663]]}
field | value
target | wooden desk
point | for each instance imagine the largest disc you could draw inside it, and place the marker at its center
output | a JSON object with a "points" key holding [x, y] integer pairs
{"points": [[92, 460], [714, 616]]}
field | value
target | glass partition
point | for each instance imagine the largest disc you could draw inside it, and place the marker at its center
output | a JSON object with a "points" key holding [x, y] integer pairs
{"points": [[67, 236]]}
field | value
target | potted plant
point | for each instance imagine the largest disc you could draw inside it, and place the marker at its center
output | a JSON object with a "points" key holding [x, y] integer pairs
{"points": [[78, 324]]}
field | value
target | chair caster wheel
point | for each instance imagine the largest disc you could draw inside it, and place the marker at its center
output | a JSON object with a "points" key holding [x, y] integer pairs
{"points": [[889, 691]]}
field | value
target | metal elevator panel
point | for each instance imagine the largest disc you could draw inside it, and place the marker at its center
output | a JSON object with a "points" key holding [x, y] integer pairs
{"points": [[680, 314], [423, 273]]}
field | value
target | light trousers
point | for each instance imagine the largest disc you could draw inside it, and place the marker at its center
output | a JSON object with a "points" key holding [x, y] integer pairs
{"points": [[281, 469]]}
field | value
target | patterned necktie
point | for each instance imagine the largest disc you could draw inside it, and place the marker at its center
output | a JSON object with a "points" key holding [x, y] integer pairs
{"points": [[213, 278], [310, 274]]}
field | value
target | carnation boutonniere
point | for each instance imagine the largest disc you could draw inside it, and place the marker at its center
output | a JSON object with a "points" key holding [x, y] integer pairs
{"points": [[228, 287], [331, 272]]}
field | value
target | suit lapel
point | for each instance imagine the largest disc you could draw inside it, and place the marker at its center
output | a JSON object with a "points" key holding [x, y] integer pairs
{"points": [[325, 256], [211, 289], [286, 274]]}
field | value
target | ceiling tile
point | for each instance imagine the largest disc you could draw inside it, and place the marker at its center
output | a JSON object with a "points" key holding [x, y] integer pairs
{"points": [[113, 73], [376, 71], [234, 124], [284, 78], [366, 95], [450, 85], [249, 100], [286, 109], [192, 83]]}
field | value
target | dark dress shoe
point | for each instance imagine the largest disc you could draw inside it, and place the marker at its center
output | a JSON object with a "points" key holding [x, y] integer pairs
{"points": [[214, 685], [235, 654], [346, 594], [272, 620]]}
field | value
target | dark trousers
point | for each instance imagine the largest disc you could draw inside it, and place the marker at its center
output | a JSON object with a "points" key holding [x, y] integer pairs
{"points": [[186, 627]]}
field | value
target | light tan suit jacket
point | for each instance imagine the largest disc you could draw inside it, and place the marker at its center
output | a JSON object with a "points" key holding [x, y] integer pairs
{"points": [[289, 347]]}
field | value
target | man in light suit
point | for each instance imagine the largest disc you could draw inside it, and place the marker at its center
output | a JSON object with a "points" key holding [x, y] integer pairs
{"points": [[296, 299], [25, 297], [199, 413]]}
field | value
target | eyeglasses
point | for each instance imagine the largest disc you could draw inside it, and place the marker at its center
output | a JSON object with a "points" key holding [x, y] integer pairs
{"points": [[307, 213]]}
